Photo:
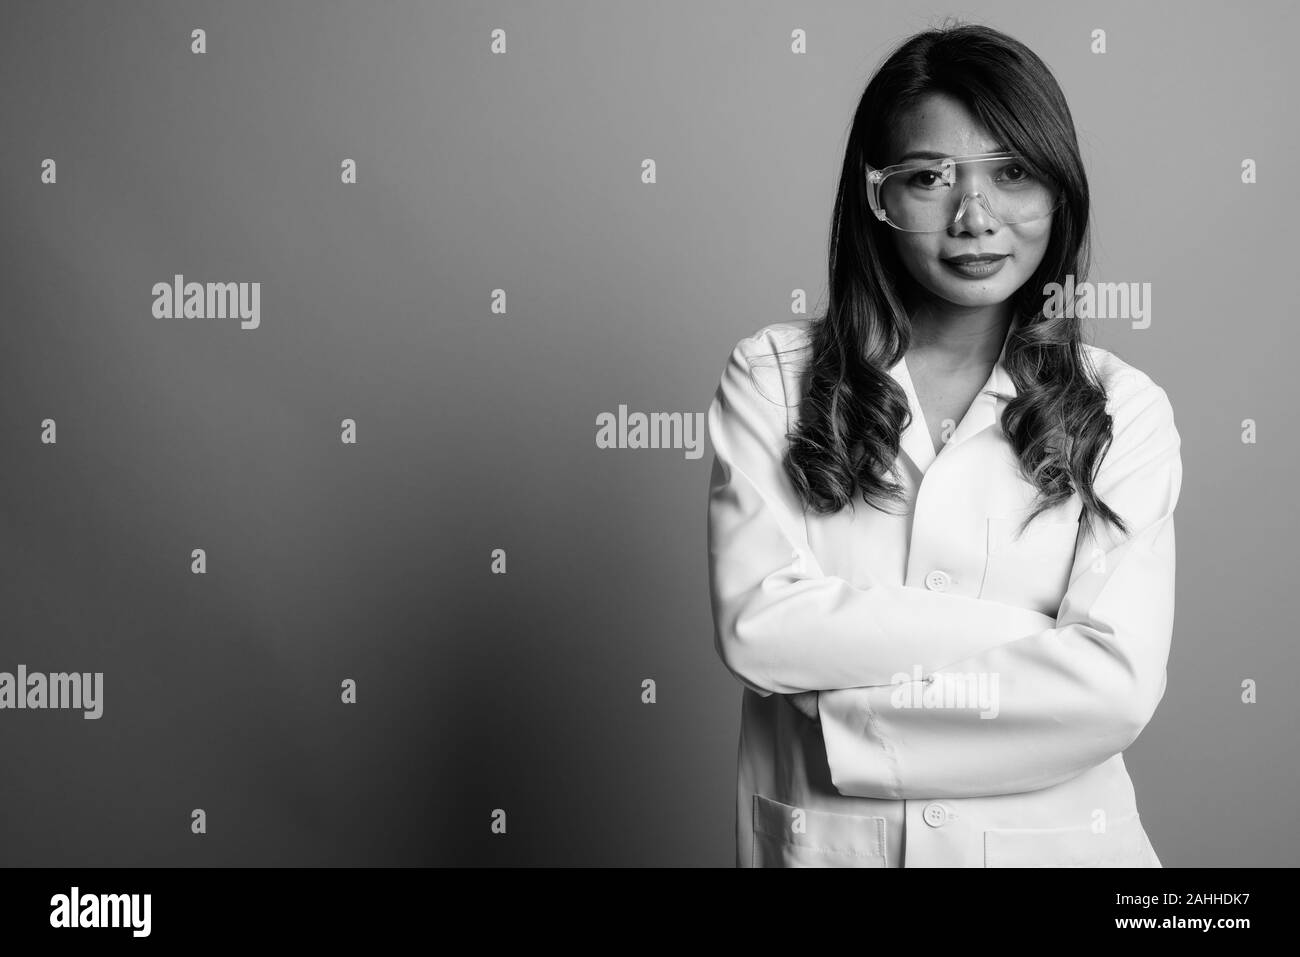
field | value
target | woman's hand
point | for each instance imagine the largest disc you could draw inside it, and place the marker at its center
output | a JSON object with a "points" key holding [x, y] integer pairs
{"points": [[806, 703]]}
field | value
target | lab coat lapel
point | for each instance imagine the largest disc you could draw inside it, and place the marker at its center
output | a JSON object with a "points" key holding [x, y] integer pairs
{"points": [[915, 440], [985, 410]]}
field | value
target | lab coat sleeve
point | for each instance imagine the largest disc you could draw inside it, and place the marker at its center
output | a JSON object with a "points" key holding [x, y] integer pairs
{"points": [[781, 625], [1057, 701]]}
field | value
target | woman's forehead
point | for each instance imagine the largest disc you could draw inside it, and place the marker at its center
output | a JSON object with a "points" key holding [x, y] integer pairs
{"points": [[939, 124]]}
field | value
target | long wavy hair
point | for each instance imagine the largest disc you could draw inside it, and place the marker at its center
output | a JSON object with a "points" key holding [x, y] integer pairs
{"points": [[1057, 423]]}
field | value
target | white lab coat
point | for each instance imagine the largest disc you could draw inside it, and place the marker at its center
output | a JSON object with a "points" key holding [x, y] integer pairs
{"points": [[1058, 643]]}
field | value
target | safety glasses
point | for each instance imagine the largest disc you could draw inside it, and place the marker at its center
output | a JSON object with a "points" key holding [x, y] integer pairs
{"points": [[929, 195]]}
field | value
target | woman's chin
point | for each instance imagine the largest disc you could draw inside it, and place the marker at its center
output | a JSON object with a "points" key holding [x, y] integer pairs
{"points": [[975, 295]]}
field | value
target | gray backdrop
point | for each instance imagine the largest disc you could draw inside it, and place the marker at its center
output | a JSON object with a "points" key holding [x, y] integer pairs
{"points": [[476, 430]]}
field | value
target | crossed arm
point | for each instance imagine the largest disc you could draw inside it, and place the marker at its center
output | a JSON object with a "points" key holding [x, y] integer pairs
{"points": [[1072, 691]]}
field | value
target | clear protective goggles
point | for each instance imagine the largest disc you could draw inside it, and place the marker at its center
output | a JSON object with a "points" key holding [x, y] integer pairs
{"points": [[929, 195]]}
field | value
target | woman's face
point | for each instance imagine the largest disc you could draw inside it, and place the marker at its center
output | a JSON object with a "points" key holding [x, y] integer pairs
{"points": [[940, 123]]}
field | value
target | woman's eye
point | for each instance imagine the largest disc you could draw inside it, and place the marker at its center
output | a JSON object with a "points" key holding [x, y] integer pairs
{"points": [[1018, 174], [919, 179]]}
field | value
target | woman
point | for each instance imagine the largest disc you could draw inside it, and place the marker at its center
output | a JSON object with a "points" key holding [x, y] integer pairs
{"points": [[941, 535]]}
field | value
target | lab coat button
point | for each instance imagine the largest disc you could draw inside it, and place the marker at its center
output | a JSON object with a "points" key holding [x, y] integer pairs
{"points": [[936, 815], [938, 580]]}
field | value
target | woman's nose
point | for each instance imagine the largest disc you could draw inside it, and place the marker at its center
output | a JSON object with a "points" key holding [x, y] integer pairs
{"points": [[974, 213]]}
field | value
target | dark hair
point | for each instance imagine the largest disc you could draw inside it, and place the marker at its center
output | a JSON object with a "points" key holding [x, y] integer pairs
{"points": [[1057, 423]]}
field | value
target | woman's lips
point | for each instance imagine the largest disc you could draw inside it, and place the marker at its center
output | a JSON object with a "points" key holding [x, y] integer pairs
{"points": [[976, 268]]}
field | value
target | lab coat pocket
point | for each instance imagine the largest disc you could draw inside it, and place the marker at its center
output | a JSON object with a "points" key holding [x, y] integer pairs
{"points": [[1029, 570], [788, 836], [1122, 844]]}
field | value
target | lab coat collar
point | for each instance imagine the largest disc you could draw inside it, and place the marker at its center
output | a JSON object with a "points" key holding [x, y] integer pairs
{"points": [[984, 412]]}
